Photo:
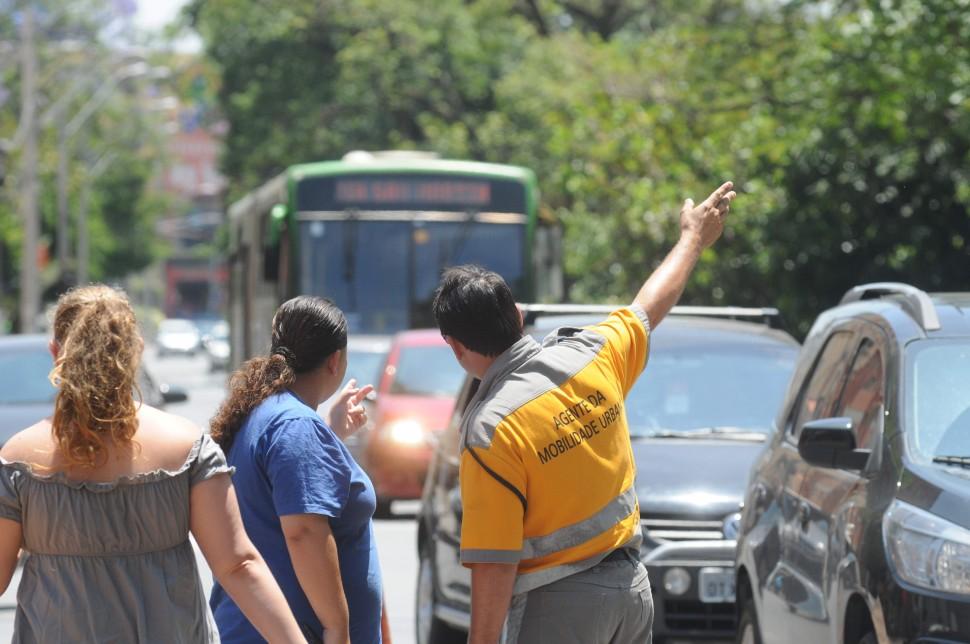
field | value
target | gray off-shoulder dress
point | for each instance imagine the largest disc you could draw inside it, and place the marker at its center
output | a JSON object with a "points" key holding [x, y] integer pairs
{"points": [[110, 562]]}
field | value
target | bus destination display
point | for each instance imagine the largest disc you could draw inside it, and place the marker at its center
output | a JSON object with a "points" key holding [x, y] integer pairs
{"points": [[414, 192], [383, 191]]}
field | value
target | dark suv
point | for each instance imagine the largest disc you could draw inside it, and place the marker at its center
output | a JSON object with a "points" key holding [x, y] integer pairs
{"points": [[698, 417], [856, 525]]}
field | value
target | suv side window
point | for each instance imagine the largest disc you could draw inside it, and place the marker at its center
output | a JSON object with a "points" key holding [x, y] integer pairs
{"points": [[862, 396], [825, 383]]}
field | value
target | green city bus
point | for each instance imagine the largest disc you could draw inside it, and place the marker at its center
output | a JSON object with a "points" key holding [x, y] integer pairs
{"points": [[373, 232]]}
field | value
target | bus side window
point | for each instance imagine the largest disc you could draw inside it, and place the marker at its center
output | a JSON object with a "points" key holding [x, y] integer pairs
{"points": [[271, 262], [274, 225]]}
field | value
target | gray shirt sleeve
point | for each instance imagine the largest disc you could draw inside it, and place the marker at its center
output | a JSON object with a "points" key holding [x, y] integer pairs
{"points": [[9, 493], [208, 462]]}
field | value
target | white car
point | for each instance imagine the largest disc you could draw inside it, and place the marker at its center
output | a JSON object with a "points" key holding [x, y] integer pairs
{"points": [[216, 345], [176, 336]]}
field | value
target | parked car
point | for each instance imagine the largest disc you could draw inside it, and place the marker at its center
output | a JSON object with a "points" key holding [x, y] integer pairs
{"points": [[215, 343], [415, 396], [698, 417], [177, 336], [26, 393], [856, 526]]}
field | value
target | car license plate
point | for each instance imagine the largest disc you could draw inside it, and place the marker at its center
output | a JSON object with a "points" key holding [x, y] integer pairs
{"points": [[716, 585]]}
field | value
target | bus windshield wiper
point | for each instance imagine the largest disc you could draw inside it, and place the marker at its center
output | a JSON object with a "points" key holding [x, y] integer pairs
{"points": [[449, 252], [725, 433], [350, 258], [960, 461]]}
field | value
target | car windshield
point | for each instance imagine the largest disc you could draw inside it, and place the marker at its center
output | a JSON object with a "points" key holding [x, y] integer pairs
{"points": [[23, 377], [212, 328], [938, 409], [219, 331], [427, 371], [365, 366], [705, 387]]}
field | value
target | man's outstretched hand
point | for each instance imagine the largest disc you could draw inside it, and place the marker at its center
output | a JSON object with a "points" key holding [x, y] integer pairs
{"points": [[706, 220], [700, 226]]}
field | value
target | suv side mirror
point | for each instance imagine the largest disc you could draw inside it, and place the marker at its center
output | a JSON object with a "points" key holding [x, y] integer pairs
{"points": [[829, 442]]}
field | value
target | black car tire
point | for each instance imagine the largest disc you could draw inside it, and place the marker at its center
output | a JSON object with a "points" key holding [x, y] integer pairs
{"points": [[748, 630], [428, 629]]}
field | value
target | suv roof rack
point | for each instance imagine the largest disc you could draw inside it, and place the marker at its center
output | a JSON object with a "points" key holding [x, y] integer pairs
{"points": [[916, 301], [768, 316]]}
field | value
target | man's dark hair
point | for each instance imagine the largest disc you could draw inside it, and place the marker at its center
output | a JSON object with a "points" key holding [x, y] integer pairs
{"points": [[476, 307]]}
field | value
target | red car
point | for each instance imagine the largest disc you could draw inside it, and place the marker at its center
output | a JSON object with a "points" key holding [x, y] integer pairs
{"points": [[415, 398]]}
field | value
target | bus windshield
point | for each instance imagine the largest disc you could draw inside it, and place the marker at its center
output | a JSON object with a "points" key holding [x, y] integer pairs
{"points": [[382, 273]]}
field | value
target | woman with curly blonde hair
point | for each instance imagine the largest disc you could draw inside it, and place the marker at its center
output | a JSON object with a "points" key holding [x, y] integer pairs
{"points": [[103, 495]]}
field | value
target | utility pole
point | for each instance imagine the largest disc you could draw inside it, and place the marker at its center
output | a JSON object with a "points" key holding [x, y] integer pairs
{"points": [[83, 241], [29, 277], [62, 213]]}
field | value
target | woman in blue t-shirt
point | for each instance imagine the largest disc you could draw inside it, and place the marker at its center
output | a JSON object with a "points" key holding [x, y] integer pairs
{"points": [[305, 502]]}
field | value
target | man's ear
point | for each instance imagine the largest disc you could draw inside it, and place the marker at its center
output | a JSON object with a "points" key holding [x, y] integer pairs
{"points": [[53, 348], [457, 347]]}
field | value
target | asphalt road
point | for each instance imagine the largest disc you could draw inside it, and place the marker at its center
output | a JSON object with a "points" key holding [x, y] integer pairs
{"points": [[395, 537]]}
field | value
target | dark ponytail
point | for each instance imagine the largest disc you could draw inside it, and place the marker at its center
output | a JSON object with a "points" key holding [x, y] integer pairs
{"points": [[306, 331]]}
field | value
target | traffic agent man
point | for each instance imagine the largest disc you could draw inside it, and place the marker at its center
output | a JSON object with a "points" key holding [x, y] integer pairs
{"points": [[551, 524]]}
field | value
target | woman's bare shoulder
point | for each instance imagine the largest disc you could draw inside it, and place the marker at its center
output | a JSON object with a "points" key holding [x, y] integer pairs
{"points": [[34, 444], [167, 436]]}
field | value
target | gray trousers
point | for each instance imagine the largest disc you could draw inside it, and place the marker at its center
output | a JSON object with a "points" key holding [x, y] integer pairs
{"points": [[607, 604]]}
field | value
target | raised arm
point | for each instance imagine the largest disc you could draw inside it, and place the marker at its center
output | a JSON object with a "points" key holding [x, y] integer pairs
{"points": [[235, 562], [700, 226]]}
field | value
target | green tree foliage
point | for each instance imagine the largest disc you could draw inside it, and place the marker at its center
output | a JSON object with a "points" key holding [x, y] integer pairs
{"points": [[309, 79], [73, 63], [844, 124], [879, 186]]}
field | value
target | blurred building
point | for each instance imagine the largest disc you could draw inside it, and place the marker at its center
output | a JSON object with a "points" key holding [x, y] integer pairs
{"points": [[195, 275]]}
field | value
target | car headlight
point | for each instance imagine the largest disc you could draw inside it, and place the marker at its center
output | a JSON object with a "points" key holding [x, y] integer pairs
{"points": [[676, 581], [927, 551], [406, 432]]}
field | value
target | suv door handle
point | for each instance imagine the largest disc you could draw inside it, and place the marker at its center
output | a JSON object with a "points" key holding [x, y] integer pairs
{"points": [[804, 515]]}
